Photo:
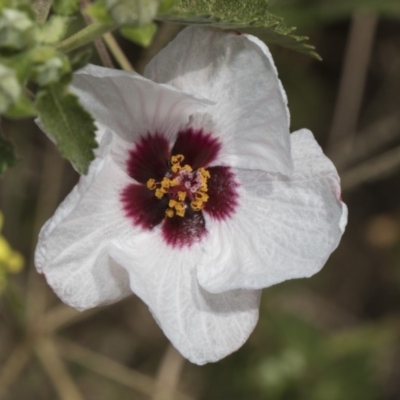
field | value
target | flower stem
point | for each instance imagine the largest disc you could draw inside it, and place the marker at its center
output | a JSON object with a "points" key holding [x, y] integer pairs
{"points": [[116, 51], [41, 8], [85, 36]]}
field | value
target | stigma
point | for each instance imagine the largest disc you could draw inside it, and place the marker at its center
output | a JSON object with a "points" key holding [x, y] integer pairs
{"points": [[183, 186]]}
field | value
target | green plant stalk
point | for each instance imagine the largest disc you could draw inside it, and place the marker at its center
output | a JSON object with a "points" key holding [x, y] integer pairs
{"points": [[85, 36], [41, 8]]}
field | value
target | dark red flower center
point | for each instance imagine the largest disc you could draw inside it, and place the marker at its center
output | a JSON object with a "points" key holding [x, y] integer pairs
{"points": [[175, 187]]}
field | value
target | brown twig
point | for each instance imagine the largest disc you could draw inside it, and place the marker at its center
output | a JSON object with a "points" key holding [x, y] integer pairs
{"points": [[373, 169], [111, 369], [13, 367], [56, 370], [368, 142], [47, 201], [98, 43], [116, 51], [353, 78], [62, 316], [168, 374]]}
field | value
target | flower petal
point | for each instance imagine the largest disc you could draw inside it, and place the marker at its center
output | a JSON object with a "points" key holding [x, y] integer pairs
{"points": [[238, 73], [149, 159], [199, 148], [142, 207], [204, 327], [71, 250], [184, 231], [222, 191], [131, 105], [285, 227]]}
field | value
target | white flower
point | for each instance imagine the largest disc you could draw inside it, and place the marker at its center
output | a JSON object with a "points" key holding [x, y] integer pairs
{"points": [[198, 197]]}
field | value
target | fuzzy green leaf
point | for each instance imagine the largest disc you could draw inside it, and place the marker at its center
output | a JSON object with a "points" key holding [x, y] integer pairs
{"points": [[53, 30], [166, 6], [142, 35], [133, 12], [250, 16], [7, 157], [80, 59], [23, 108], [71, 126], [10, 88], [66, 7], [16, 29], [98, 11]]}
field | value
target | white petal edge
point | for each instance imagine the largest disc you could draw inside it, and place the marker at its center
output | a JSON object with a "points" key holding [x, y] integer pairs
{"points": [[204, 327], [284, 228], [71, 250], [237, 72]]}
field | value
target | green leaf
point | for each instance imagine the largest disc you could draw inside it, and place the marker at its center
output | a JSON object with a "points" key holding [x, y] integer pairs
{"points": [[250, 16], [66, 7], [133, 12], [41, 9], [7, 157], [41, 64], [71, 126], [98, 11], [53, 30], [166, 6], [23, 108], [143, 35], [80, 59], [10, 88], [16, 29], [52, 70]]}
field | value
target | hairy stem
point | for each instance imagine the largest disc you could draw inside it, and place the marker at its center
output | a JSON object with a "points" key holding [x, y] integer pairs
{"points": [[85, 36], [116, 51], [98, 42], [41, 8]]}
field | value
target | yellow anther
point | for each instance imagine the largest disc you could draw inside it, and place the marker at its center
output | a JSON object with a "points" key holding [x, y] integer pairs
{"points": [[159, 193], [181, 196], [197, 205], [187, 167], [172, 203], [169, 213], [201, 196], [180, 213], [151, 184], [174, 182], [165, 183], [204, 173], [177, 159], [179, 206], [176, 168]]}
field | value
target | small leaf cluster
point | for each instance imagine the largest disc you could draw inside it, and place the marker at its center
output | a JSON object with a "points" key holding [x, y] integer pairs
{"points": [[134, 17], [251, 16], [34, 79], [27, 56]]}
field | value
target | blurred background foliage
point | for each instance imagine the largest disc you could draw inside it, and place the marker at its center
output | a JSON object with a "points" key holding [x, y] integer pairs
{"points": [[333, 337]]}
